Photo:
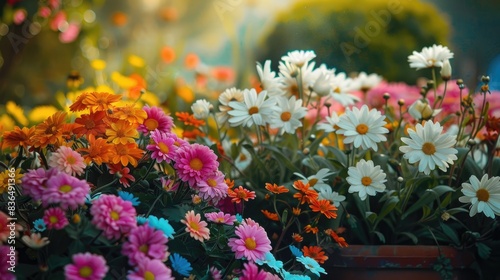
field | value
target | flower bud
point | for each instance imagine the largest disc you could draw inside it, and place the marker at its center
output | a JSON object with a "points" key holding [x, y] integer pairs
{"points": [[446, 71], [485, 79], [201, 109], [401, 102], [322, 85], [386, 96], [420, 110], [400, 179]]}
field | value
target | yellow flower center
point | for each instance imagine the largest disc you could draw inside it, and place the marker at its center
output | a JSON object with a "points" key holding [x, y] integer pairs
{"points": [[194, 226], [362, 128], [253, 110], [85, 271], [148, 275], [65, 188], [196, 164], [114, 215], [71, 160], [336, 90], [144, 248], [313, 182], [151, 124], [212, 183], [428, 148], [163, 148], [286, 116], [250, 243], [482, 195], [53, 219], [366, 181]]}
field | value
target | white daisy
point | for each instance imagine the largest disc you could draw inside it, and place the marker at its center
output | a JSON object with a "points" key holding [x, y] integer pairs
{"points": [[328, 194], [342, 86], [483, 195], [316, 181], [268, 79], [289, 74], [429, 147], [366, 179], [330, 123], [322, 80], [363, 128], [231, 94], [299, 58], [366, 82], [288, 114], [430, 57], [255, 109], [201, 109], [421, 110]]}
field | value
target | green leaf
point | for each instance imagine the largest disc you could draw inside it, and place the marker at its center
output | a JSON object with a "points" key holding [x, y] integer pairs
{"points": [[371, 217], [387, 208], [483, 250], [410, 235], [56, 261], [380, 236], [450, 233], [428, 197]]}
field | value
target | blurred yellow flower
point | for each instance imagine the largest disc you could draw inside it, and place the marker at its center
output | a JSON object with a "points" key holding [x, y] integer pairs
{"points": [[186, 93], [17, 112], [150, 98], [6, 123], [136, 61], [123, 81], [40, 113], [5, 176], [98, 64]]}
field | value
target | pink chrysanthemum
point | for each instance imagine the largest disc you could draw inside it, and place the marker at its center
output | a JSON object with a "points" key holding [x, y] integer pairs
{"points": [[113, 215], [55, 218], [252, 272], [86, 266], [213, 188], [5, 229], [195, 162], [252, 242], [65, 190], [34, 182], [151, 269], [220, 218], [67, 161], [195, 226], [157, 119], [5, 274], [163, 148], [215, 273], [145, 242]]}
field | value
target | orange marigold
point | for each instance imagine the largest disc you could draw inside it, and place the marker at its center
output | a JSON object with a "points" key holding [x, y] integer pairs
{"points": [[315, 252], [306, 193], [192, 134], [276, 189], [239, 194], [100, 101], [311, 229], [122, 132], [49, 131], [325, 207], [98, 151], [189, 119], [92, 123], [18, 137], [340, 240], [126, 153], [297, 237], [130, 113], [271, 216], [229, 183], [78, 104]]}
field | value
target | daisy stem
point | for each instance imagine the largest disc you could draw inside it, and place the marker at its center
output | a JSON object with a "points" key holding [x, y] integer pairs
{"points": [[444, 93], [435, 83], [154, 203], [259, 136], [285, 229]]}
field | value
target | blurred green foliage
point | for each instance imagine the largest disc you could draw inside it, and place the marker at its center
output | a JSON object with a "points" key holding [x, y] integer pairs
{"points": [[366, 35]]}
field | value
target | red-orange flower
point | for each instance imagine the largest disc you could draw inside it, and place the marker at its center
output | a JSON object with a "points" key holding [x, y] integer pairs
{"points": [[126, 153], [311, 229], [325, 207], [189, 119], [306, 193], [78, 104], [18, 137], [99, 151], [276, 189], [49, 131], [192, 134], [271, 216], [100, 101], [229, 183], [297, 237], [92, 123], [239, 194], [122, 132], [123, 173], [315, 252], [340, 240]]}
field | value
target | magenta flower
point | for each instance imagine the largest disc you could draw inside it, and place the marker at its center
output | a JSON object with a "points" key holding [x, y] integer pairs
{"points": [[5, 274], [145, 242], [66, 190], [67, 161], [34, 182], [252, 242], [157, 119], [195, 162], [113, 215], [55, 218], [213, 188], [163, 148], [86, 266], [220, 218], [151, 269], [252, 272], [215, 273]]}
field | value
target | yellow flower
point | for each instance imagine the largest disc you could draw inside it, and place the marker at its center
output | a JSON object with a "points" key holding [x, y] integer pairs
{"points": [[150, 98], [40, 113], [185, 93], [136, 61], [4, 179], [98, 64], [123, 81], [17, 112], [6, 123]]}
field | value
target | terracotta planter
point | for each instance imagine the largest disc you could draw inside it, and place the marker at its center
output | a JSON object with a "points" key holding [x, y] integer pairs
{"points": [[397, 262]]}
